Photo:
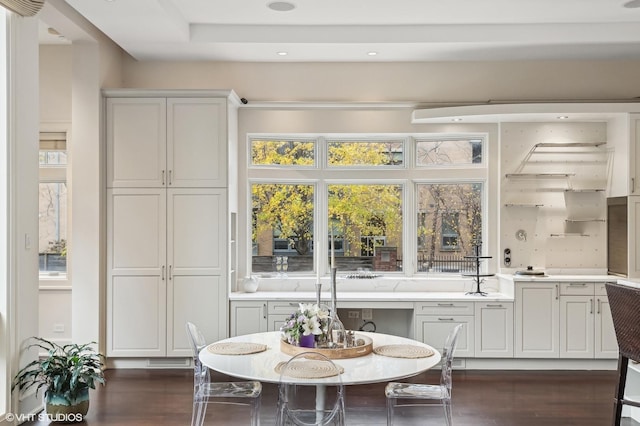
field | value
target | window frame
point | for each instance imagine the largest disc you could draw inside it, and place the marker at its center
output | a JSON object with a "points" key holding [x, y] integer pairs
{"points": [[408, 175], [56, 174]]}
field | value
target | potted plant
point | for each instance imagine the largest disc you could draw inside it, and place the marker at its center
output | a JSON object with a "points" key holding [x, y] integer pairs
{"points": [[67, 372], [306, 324]]}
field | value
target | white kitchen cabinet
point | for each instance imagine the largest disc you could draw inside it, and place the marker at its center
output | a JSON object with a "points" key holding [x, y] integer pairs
{"points": [[157, 142], [634, 154], [586, 326], [164, 269], [537, 323], [577, 326], [493, 329], [434, 321], [279, 311], [606, 344], [169, 255], [248, 317]]}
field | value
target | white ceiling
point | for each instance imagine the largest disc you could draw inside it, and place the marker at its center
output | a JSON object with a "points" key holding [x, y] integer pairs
{"points": [[347, 30]]}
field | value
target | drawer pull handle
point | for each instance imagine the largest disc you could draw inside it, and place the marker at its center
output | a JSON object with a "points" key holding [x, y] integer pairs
{"points": [[445, 304], [445, 319], [577, 284], [293, 304], [494, 306]]}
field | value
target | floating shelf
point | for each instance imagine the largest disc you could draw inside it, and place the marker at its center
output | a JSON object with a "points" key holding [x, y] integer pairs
{"points": [[569, 145], [524, 205], [539, 175]]}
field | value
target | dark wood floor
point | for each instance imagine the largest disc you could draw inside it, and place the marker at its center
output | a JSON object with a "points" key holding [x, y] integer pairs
{"points": [[480, 398]]}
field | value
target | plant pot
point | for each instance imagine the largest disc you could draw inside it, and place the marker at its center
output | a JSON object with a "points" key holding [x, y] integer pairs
{"points": [[307, 341], [61, 410]]}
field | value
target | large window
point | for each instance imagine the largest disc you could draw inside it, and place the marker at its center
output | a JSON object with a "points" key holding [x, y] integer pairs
{"points": [[52, 202], [449, 225], [352, 196]]}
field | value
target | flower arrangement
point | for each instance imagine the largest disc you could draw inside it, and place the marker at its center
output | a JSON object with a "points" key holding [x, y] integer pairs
{"points": [[308, 319]]}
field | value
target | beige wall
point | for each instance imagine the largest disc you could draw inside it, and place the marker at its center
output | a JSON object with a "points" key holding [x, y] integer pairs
{"points": [[55, 83], [415, 82]]}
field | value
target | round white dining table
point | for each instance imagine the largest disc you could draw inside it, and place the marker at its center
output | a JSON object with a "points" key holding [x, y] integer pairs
{"points": [[370, 368]]}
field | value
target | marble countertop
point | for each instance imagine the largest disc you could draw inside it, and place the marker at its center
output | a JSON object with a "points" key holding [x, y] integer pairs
{"points": [[559, 278], [349, 296]]}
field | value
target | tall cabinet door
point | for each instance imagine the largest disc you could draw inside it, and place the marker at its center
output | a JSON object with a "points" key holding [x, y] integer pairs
{"points": [[136, 132], [197, 290], [537, 320], [136, 286], [576, 326], [196, 142], [494, 330], [606, 343]]}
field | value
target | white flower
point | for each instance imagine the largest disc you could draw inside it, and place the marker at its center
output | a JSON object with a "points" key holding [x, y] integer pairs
{"points": [[312, 326]]}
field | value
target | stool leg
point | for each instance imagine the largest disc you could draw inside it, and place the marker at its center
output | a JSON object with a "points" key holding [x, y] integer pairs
{"points": [[623, 363]]}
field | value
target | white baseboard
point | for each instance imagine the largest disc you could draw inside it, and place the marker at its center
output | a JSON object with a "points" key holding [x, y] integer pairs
{"points": [[151, 363]]}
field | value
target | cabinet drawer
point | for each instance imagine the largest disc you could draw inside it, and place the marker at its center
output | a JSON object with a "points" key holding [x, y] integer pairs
{"points": [[282, 307], [444, 308], [576, 289], [601, 290]]}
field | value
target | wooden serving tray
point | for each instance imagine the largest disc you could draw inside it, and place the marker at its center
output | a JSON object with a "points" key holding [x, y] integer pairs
{"points": [[338, 353]]}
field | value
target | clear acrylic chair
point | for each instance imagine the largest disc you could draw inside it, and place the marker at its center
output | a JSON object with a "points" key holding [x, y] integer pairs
{"points": [[410, 393], [204, 391], [301, 402]]}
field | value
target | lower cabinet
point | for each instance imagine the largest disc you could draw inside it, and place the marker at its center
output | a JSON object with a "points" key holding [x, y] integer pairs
{"points": [[586, 326], [279, 311], [164, 268], [494, 329], [434, 329], [563, 320], [257, 316], [536, 320], [248, 317]]}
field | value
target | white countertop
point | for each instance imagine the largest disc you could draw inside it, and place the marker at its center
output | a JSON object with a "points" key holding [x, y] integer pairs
{"points": [[350, 296], [560, 278]]}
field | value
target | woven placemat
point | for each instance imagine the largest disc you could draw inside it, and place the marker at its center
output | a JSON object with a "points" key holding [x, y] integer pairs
{"points": [[236, 348], [310, 369], [403, 351]]}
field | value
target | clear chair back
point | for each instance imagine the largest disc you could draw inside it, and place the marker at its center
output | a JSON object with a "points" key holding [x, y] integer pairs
{"points": [[304, 401]]}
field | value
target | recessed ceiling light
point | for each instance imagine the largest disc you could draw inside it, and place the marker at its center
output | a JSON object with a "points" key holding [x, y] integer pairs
{"points": [[372, 53], [632, 4], [282, 53], [563, 117], [281, 6]]}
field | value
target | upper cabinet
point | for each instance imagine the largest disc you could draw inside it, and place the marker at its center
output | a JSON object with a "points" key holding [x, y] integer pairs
{"points": [[174, 142]]}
